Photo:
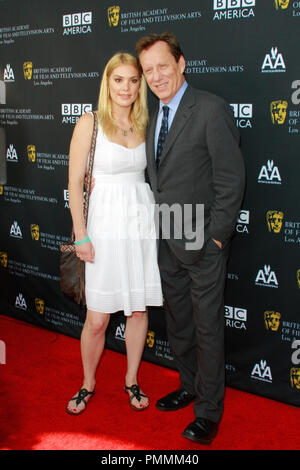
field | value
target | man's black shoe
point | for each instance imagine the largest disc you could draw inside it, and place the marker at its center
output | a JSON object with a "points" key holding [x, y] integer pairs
{"points": [[175, 400], [201, 430]]}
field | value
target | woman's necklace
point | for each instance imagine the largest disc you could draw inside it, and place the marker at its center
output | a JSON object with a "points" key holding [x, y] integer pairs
{"points": [[124, 131]]}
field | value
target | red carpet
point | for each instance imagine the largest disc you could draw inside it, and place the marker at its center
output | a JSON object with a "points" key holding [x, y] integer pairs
{"points": [[43, 370]]}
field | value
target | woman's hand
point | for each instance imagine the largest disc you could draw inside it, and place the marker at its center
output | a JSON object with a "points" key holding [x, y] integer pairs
{"points": [[85, 252]]}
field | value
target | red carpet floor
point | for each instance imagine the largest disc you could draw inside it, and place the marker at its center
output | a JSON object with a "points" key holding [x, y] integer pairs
{"points": [[43, 370]]}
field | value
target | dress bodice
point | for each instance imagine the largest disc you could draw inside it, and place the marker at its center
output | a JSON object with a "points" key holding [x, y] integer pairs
{"points": [[111, 158]]}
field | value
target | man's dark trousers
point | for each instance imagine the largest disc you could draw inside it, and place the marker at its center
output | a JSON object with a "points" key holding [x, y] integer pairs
{"points": [[195, 323]]}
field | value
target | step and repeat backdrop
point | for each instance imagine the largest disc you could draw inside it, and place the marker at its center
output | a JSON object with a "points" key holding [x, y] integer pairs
{"points": [[52, 55]]}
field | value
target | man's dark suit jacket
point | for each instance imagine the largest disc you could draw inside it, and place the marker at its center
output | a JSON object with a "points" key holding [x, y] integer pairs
{"points": [[201, 163]]}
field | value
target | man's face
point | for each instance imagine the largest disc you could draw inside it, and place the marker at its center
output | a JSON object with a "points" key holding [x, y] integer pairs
{"points": [[163, 74]]}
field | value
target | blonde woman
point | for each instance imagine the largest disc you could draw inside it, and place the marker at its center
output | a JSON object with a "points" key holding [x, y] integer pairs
{"points": [[119, 243]]}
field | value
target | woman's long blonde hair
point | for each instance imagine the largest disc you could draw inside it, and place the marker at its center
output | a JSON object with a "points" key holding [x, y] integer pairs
{"points": [[139, 110]]}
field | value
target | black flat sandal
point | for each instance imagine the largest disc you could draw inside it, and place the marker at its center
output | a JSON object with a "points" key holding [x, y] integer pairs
{"points": [[136, 393], [82, 394]]}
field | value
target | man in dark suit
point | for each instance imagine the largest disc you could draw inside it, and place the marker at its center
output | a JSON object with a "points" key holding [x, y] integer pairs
{"points": [[193, 158]]}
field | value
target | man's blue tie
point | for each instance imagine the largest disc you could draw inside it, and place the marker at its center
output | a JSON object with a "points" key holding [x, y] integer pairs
{"points": [[162, 134]]}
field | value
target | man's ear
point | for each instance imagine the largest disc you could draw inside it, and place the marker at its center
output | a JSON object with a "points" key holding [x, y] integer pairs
{"points": [[182, 63]]}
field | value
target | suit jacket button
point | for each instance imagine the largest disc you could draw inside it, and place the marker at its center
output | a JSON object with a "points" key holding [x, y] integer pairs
{"points": [[158, 190]]}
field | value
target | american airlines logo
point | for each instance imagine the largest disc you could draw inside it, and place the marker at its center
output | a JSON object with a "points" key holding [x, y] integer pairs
{"points": [[273, 62], [8, 74]]}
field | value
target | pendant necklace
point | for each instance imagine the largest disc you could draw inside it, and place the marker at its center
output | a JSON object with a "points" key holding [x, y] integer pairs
{"points": [[124, 131]]}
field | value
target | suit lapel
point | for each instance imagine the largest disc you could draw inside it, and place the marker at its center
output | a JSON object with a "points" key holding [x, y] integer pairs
{"points": [[150, 150], [150, 139]]}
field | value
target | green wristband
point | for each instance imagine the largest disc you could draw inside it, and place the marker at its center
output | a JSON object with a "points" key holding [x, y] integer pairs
{"points": [[86, 239]]}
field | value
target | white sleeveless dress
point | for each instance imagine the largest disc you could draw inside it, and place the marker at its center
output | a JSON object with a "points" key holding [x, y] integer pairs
{"points": [[125, 275]]}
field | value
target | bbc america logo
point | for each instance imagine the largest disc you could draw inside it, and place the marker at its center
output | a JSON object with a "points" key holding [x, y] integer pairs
{"points": [[242, 113], [222, 4], [66, 199], [235, 317], [243, 221], [233, 9], [77, 23], [71, 112]]}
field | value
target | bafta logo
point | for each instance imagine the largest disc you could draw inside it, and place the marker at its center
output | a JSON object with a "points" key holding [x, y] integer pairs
{"points": [[31, 153], [272, 320], [295, 377], [3, 259], [281, 4], [27, 69], [150, 339], [39, 305], [274, 221], [113, 14], [298, 278], [35, 232], [278, 110], [1, 189]]}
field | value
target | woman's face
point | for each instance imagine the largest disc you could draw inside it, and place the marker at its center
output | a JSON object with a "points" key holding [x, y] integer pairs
{"points": [[124, 83]]}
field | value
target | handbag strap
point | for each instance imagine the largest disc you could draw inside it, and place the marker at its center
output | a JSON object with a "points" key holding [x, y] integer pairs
{"points": [[90, 169], [89, 174]]}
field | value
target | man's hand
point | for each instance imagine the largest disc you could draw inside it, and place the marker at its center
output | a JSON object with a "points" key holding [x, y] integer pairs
{"points": [[218, 243]]}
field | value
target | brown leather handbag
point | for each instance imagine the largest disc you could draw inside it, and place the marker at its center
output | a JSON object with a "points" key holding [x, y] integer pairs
{"points": [[72, 269]]}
